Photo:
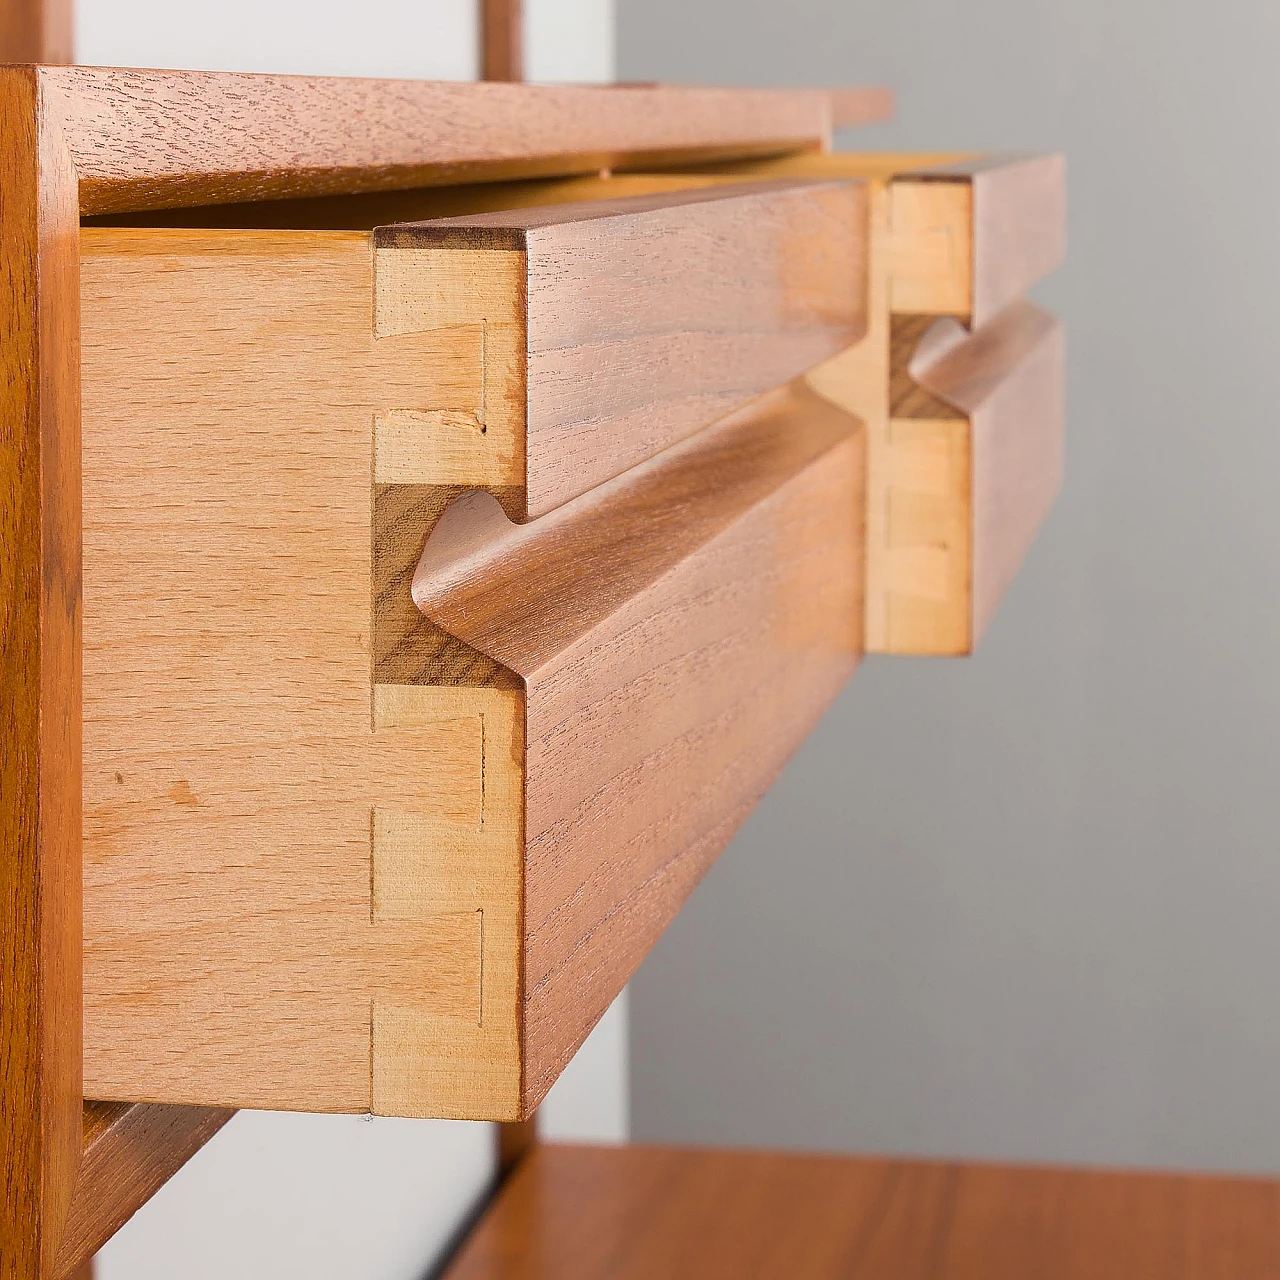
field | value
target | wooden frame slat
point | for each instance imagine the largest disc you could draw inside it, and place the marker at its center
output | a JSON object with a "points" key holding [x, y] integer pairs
{"points": [[502, 44], [36, 31], [40, 675], [130, 1150]]}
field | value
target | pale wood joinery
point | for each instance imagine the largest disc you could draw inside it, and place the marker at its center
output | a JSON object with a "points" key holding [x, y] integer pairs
{"points": [[954, 495], [40, 678], [637, 320]]}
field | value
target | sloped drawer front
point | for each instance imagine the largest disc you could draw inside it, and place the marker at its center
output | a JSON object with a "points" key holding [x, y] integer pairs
{"points": [[613, 329]]}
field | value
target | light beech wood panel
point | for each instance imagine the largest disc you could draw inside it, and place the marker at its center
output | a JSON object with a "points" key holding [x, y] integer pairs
{"points": [[235, 775]]}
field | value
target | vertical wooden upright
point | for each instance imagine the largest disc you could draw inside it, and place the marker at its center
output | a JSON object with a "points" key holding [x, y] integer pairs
{"points": [[35, 31], [502, 39], [502, 42], [40, 1071]]}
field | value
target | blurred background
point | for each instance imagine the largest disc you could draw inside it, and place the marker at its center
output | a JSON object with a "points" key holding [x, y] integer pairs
{"points": [[1025, 905]]}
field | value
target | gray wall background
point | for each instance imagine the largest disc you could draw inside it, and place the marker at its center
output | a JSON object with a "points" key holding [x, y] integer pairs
{"points": [[1028, 905]]}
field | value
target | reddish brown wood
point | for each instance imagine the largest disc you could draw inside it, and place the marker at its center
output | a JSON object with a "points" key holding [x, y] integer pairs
{"points": [[647, 317], [35, 31], [40, 676], [502, 39], [130, 1151], [158, 139], [631, 1213]]}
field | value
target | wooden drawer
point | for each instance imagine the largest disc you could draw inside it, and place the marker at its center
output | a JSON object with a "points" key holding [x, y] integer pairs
{"points": [[348, 852], [962, 467], [966, 450]]}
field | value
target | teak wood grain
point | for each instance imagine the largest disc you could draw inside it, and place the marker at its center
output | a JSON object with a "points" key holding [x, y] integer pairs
{"points": [[157, 139], [615, 328], [36, 31], [40, 676], [502, 39], [130, 1151], [92, 140], [630, 1213], [954, 498]]}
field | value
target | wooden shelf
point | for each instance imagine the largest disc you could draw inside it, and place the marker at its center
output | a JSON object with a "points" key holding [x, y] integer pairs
{"points": [[634, 1213]]}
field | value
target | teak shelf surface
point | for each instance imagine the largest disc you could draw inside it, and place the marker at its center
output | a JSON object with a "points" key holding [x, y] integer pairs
{"points": [[630, 1213], [279, 404]]}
